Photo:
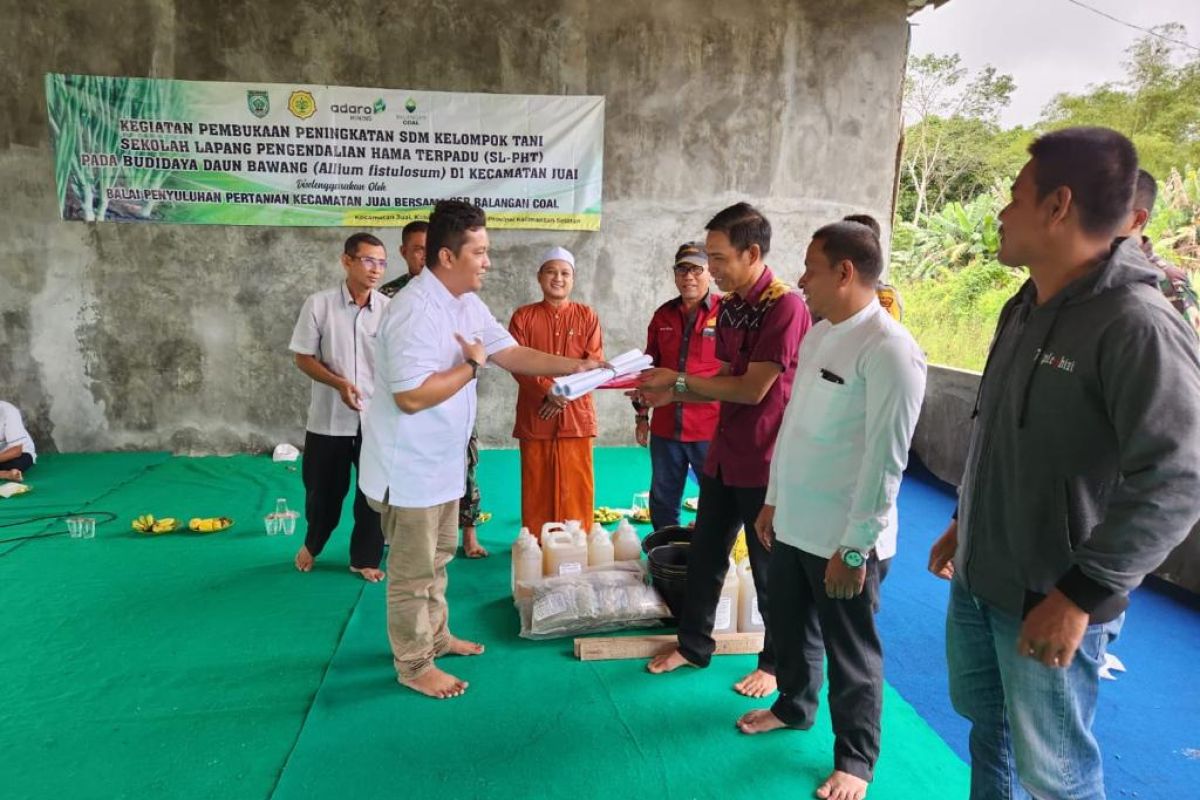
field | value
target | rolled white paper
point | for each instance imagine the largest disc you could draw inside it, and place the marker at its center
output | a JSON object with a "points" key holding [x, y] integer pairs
{"points": [[581, 383]]}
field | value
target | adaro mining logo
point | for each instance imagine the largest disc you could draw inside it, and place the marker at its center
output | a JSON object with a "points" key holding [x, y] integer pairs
{"points": [[258, 102], [302, 104]]}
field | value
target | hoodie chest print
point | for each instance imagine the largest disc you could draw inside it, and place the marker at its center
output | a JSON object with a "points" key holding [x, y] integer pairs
{"points": [[1055, 361]]}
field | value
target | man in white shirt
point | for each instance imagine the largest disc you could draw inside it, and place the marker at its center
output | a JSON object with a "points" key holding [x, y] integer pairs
{"points": [[17, 453], [830, 512], [433, 340], [334, 344]]}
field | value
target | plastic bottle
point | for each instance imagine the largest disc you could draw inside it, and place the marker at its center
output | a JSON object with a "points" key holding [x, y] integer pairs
{"points": [[626, 544], [600, 546], [548, 527], [565, 552], [749, 619], [726, 619], [526, 563]]}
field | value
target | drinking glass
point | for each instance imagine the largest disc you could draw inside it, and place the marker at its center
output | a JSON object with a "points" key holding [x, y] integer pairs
{"points": [[641, 505]]}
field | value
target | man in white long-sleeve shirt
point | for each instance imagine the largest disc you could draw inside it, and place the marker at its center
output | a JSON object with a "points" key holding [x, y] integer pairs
{"points": [[830, 512]]}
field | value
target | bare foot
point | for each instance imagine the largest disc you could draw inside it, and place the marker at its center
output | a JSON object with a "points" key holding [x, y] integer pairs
{"points": [[435, 683], [370, 574], [11, 475], [759, 721], [462, 647], [304, 559], [471, 545], [842, 786], [668, 662], [756, 684]]}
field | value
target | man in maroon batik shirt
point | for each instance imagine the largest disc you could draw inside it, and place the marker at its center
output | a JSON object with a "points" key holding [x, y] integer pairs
{"points": [[759, 327]]}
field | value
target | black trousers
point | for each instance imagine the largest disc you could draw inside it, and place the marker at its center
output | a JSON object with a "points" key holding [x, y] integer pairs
{"points": [[22, 462], [326, 473], [722, 510], [806, 625]]}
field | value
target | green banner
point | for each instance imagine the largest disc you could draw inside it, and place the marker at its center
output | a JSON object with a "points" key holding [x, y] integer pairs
{"points": [[147, 150]]}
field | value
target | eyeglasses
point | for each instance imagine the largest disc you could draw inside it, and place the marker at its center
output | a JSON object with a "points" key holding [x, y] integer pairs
{"points": [[372, 263], [688, 269]]}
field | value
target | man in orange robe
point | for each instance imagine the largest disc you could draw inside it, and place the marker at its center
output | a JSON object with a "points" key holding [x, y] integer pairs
{"points": [[555, 434]]}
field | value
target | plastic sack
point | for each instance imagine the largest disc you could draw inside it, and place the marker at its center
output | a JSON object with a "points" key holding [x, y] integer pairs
{"points": [[611, 598], [285, 452]]}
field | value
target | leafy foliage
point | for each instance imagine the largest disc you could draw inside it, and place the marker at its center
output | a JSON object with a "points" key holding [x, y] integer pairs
{"points": [[958, 164]]}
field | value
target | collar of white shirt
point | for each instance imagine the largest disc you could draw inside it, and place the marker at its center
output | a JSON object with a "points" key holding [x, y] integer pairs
{"points": [[437, 291], [348, 299], [857, 318]]}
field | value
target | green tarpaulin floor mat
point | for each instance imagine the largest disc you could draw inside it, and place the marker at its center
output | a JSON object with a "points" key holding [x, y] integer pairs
{"points": [[181, 665], [62, 483], [538, 723], [201, 666]]}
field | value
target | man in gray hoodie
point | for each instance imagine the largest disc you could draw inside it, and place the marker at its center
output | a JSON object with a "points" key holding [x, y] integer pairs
{"points": [[1083, 471]]}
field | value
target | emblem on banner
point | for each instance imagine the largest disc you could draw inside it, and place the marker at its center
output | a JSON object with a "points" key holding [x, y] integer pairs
{"points": [[258, 102], [302, 104], [379, 106], [410, 106]]}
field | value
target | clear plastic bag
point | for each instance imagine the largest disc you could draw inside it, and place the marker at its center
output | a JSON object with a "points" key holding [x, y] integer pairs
{"points": [[611, 598]]}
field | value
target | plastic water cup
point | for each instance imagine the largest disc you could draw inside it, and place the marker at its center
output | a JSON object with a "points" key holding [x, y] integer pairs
{"points": [[87, 528], [73, 527], [288, 524], [641, 502], [281, 507], [272, 522]]}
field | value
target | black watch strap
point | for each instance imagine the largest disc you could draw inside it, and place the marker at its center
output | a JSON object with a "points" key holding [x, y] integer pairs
{"points": [[474, 368]]}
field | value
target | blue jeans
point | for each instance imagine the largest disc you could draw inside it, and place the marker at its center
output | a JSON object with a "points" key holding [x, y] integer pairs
{"points": [[669, 460], [1031, 725]]}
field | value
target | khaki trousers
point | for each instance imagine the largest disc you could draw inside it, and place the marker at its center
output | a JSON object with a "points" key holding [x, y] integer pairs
{"points": [[421, 542]]}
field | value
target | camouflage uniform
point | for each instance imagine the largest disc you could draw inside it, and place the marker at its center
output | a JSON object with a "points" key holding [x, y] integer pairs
{"points": [[390, 288], [1175, 286]]}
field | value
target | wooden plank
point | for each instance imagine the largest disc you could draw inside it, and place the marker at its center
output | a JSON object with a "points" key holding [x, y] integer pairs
{"points": [[606, 648]]}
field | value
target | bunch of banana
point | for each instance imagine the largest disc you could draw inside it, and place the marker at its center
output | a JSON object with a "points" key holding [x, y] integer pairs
{"points": [[605, 515], [209, 524], [146, 523]]}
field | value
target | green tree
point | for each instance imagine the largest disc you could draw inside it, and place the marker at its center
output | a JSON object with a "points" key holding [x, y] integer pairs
{"points": [[953, 121], [1157, 104]]}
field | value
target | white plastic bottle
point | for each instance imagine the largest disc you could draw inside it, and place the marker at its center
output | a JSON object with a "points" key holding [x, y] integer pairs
{"points": [[726, 619], [626, 544], [526, 563], [549, 527], [749, 618], [600, 546], [565, 552]]}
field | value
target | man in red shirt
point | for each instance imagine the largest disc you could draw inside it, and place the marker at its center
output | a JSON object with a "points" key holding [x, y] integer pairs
{"points": [[760, 323], [683, 336]]}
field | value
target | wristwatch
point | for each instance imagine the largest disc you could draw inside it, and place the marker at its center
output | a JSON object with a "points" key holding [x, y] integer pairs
{"points": [[474, 367], [681, 386], [852, 558]]}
